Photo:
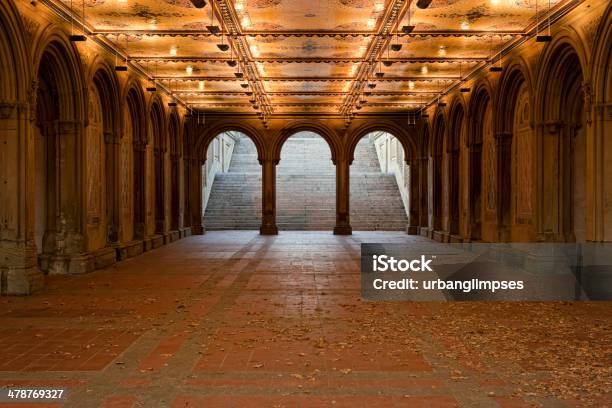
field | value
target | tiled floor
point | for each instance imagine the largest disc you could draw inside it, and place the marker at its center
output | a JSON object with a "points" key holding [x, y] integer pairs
{"points": [[236, 319]]}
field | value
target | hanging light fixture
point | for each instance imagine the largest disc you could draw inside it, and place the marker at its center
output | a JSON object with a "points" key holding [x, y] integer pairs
{"points": [[464, 89], [379, 74], [152, 87], [232, 62], [223, 47], [494, 68], [239, 73], [77, 37], [546, 37], [121, 68], [423, 4], [244, 85], [213, 28], [387, 62], [201, 85], [407, 29], [198, 3]]}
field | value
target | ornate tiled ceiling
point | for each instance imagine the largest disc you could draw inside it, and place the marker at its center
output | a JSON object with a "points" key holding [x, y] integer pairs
{"points": [[311, 56]]}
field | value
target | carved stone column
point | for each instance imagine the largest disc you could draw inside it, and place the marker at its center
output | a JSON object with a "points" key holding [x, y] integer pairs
{"points": [[268, 204], [475, 207], [175, 192], [413, 196], [504, 188], [423, 163], [196, 204], [140, 148], [343, 221], [19, 271], [111, 151]]}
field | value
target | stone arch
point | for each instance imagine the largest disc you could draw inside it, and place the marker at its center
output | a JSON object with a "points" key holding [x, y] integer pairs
{"points": [[207, 136], [480, 113], [406, 139], [135, 132], [13, 55], [159, 138], [174, 134], [70, 82], [455, 138], [300, 126], [60, 120], [515, 82], [600, 153], [105, 84], [560, 107], [437, 156]]}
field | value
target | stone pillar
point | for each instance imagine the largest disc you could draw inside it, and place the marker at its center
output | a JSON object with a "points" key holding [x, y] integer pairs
{"points": [[140, 210], [19, 271], [175, 191], [503, 142], [413, 196], [111, 151], [343, 220], [474, 220], [268, 204], [423, 195], [196, 204]]}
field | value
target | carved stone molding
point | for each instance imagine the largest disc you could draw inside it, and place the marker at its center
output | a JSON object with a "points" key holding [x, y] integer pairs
{"points": [[8, 110]]}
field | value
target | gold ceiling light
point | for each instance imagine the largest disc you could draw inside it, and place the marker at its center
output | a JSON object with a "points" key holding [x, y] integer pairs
{"points": [[424, 70], [546, 37], [465, 25], [201, 85], [77, 37], [173, 51], [410, 85], [189, 70]]}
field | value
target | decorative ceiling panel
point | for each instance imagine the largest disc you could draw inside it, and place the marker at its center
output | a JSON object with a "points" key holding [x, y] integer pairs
{"points": [[309, 56]]}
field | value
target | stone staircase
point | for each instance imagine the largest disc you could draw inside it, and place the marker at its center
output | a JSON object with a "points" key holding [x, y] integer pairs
{"points": [[305, 190]]}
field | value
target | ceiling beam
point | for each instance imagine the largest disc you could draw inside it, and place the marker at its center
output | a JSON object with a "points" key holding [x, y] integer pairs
{"points": [[307, 60]]}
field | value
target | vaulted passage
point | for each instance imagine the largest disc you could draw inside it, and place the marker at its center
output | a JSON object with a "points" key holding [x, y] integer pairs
{"points": [[185, 186], [232, 187]]}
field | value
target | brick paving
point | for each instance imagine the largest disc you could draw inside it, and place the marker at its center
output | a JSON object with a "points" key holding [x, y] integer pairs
{"points": [[235, 319]]}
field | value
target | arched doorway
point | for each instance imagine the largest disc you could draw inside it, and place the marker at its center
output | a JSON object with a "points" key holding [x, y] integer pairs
{"points": [[453, 150], [563, 147], [480, 128], [379, 184], [231, 183], [59, 206], [158, 131], [134, 132], [306, 184]]}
